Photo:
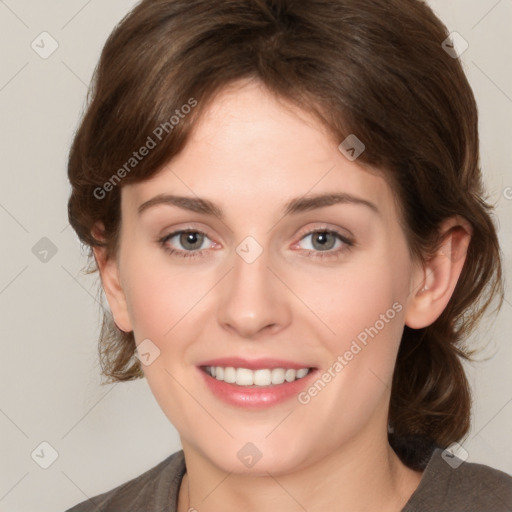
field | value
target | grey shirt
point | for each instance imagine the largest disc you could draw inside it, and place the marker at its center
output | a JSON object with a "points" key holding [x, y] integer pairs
{"points": [[469, 487]]}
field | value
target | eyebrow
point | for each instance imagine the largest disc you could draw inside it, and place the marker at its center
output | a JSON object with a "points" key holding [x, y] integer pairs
{"points": [[297, 205]]}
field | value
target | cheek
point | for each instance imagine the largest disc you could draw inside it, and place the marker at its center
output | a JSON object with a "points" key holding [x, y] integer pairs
{"points": [[160, 294], [362, 313], [151, 302], [354, 297]]}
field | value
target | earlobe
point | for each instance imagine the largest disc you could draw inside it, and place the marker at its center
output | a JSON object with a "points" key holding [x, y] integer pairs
{"points": [[434, 284], [110, 280]]}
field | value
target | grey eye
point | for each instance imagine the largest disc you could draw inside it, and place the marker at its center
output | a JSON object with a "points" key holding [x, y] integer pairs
{"points": [[191, 240], [323, 240]]}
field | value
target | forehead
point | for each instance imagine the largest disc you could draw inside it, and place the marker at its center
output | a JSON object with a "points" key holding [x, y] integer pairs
{"points": [[250, 148]]}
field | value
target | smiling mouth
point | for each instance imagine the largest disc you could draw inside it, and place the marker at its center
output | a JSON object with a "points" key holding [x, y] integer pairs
{"points": [[264, 377]]}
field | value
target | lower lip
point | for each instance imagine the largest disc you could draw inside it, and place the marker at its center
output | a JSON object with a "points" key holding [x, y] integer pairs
{"points": [[256, 398]]}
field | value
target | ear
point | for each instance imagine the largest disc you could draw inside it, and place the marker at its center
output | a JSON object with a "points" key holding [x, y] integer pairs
{"points": [[110, 280], [434, 283]]}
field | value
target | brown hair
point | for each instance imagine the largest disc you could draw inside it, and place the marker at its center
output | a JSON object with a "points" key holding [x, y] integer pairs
{"points": [[374, 68]]}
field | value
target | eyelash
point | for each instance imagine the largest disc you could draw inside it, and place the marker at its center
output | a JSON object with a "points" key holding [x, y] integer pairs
{"points": [[348, 244]]}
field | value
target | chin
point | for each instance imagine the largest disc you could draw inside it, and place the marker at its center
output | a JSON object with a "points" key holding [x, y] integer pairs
{"points": [[257, 459]]}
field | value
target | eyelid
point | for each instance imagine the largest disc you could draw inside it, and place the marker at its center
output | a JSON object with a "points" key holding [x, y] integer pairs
{"points": [[170, 231], [345, 235]]}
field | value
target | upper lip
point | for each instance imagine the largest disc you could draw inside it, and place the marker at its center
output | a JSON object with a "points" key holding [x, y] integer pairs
{"points": [[254, 364]]}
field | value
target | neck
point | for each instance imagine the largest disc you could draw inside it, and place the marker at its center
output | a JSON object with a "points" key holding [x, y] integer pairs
{"points": [[359, 477]]}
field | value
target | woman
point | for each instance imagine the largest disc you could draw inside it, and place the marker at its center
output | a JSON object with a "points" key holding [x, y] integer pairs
{"points": [[285, 206]]}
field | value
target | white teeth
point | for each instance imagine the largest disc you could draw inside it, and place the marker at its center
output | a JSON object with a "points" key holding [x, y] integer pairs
{"points": [[244, 377], [229, 375], [277, 376], [302, 373], [263, 377], [290, 375]]}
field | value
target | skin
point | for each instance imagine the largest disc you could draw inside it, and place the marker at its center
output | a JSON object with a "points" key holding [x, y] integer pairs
{"points": [[250, 154]]}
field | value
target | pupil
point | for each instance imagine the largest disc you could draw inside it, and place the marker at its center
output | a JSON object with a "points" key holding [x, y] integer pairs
{"points": [[322, 240], [191, 239]]}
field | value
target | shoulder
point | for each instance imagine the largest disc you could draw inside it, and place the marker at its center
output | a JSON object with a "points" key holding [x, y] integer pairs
{"points": [[448, 484], [148, 492]]}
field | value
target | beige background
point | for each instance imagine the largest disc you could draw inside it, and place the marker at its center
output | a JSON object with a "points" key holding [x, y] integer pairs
{"points": [[50, 388]]}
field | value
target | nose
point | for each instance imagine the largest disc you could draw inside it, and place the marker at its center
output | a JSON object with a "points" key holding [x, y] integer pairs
{"points": [[253, 301]]}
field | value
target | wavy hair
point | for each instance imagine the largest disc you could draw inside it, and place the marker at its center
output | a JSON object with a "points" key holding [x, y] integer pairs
{"points": [[375, 68]]}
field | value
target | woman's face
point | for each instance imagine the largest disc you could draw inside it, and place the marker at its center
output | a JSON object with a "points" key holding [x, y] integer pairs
{"points": [[267, 279]]}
